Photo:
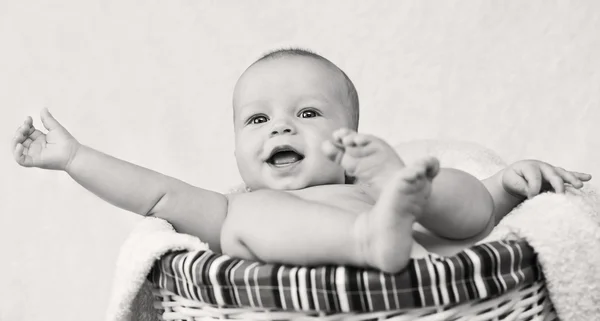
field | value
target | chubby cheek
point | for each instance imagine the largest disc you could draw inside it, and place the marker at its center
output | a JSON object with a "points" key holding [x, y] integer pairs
{"points": [[324, 133], [247, 156]]}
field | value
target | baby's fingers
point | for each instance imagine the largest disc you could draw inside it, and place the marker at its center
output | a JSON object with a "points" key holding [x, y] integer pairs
{"points": [[18, 153], [27, 127], [32, 137], [25, 134], [554, 177], [582, 176], [569, 177], [29, 121], [21, 134], [21, 157]]}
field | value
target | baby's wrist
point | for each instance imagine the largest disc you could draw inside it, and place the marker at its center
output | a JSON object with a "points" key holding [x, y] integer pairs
{"points": [[506, 189], [515, 196], [75, 151]]}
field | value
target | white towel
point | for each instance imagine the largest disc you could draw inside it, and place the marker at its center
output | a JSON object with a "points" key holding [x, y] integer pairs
{"points": [[131, 298], [564, 231]]}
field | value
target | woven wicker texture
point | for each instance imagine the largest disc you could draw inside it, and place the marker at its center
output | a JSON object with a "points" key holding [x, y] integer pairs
{"points": [[480, 272], [529, 302]]}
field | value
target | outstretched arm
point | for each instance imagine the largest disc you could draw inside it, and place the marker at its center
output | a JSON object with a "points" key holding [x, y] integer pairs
{"points": [[189, 209]]}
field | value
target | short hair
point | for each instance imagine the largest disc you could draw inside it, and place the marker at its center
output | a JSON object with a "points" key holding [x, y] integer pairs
{"points": [[351, 90]]}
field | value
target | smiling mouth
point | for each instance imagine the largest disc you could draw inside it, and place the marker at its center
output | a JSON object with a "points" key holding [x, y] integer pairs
{"points": [[284, 156]]}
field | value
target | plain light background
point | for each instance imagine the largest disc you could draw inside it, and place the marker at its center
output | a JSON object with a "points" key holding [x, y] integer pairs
{"points": [[150, 82]]}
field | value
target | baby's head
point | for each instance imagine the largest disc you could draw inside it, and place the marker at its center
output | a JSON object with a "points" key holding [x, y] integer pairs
{"points": [[285, 105]]}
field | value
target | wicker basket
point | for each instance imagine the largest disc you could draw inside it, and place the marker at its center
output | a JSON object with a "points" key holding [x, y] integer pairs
{"points": [[529, 302], [199, 278]]}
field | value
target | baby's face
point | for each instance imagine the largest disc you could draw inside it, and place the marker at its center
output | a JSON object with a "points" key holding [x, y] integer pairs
{"points": [[284, 109]]}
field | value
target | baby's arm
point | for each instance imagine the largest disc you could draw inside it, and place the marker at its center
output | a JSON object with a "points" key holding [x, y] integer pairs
{"points": [[459, 207], [503, 201], [526, 179], [189, 209]]}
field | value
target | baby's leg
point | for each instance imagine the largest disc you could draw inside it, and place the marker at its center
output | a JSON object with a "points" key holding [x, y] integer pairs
{"points": [[386, 232], [279, 227], [402, 195]]}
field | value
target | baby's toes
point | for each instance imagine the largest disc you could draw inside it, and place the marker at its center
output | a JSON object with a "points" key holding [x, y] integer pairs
{"points": [[350, 139], [432, 167], [429, 166], [413, 174], [332, 151], [410, 180], [362, 140], [341, 134], [360, 145], [426, 168]]}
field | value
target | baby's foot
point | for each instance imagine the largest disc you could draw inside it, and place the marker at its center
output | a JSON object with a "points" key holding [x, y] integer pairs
{"points": [[368, 158], [385, 233]]}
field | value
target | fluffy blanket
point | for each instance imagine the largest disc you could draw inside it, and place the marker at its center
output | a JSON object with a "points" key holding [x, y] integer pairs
{"points": [[563, 229], [132, 298]]}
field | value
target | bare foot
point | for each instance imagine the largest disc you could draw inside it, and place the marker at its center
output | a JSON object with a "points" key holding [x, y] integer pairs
{"points": [[384, 234], [370, 159]]}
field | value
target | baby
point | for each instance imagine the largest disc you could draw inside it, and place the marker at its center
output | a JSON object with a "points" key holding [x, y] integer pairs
{"points": [[297, 149]]}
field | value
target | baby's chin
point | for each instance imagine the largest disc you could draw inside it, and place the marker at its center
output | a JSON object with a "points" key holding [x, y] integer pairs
{"points": [[288, 186]]}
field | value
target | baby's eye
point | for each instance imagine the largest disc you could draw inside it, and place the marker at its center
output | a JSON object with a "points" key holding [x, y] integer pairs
{"points": [[257, 119], [308, 114]]}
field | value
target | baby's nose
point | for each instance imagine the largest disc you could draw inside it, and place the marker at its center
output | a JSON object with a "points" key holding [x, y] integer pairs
{"points": [[282, 128]]}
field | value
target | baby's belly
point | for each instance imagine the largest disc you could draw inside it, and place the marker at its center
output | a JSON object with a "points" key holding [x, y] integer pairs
{"points": [[351, 198]]}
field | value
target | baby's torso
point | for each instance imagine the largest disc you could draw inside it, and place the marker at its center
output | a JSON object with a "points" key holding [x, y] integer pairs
{"points": [[354, 199]]}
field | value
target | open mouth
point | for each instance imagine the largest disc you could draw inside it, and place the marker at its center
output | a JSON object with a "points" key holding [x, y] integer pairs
{"points": [[284, 156]]}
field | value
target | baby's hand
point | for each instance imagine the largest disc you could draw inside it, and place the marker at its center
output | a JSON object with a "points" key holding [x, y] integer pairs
{"points": [[529, 178], [53, 150]]}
